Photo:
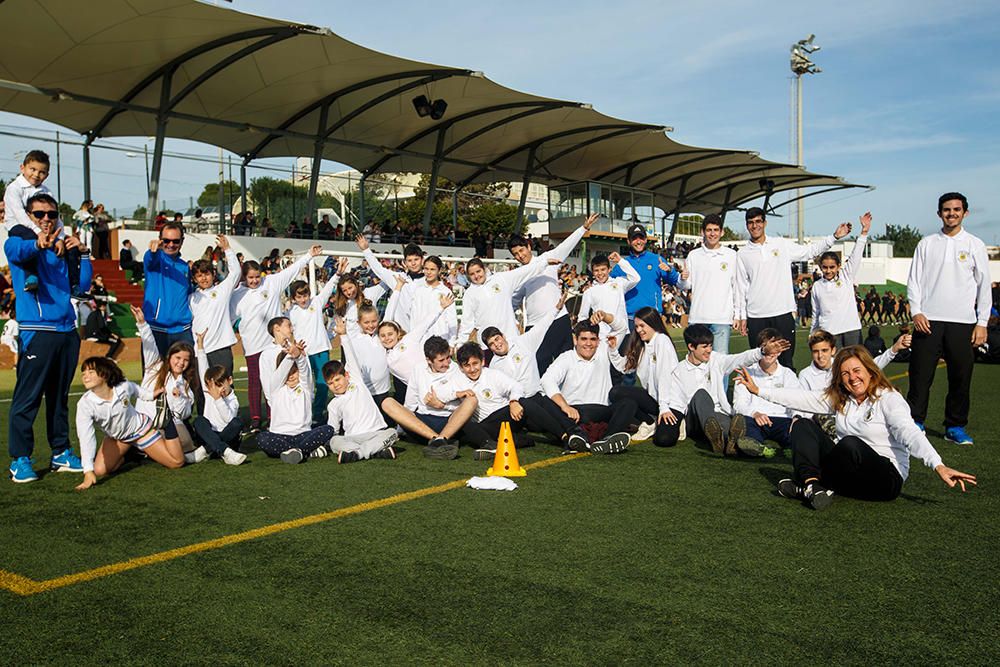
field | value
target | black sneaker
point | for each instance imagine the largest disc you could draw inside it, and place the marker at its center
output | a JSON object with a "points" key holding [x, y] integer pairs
{"points": [[387, 453], [713, 431], [613, 444], [445, 452], [737, 429], [348, 457], [437, 442], [818, 496], [292, 456], [787, 488], [577, 442]]}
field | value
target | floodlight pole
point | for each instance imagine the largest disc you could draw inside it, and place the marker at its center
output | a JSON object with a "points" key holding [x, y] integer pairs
{"points": [[432, 186], [801, 64], [86, 167], [161, 134]]}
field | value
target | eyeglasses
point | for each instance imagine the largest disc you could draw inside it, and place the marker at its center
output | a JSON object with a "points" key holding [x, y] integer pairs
{"points": [[171, 241], [755, 221], [51, 215]]}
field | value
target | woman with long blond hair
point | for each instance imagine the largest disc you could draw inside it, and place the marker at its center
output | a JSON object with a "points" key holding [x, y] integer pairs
{"points": [[876, 436]]}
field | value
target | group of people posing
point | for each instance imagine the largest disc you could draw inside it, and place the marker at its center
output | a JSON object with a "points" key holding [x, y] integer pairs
{"points": [[595, 385]]}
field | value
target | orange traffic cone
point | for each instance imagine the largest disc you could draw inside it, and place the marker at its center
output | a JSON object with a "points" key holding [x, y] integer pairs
{"points": [[505, 462]]}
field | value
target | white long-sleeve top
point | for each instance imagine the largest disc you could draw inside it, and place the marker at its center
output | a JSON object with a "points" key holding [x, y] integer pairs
{"points": [[713, 285], [745, 403], [834, 307], [267, 363], [218, 411], [210, 308], [398, 310], [494, 391], [815, 379], [426, 303], [291, 407], [367, 361], [521, 362], [115, 416], [764, 274], [15, 197], [539, 296], [308, 324], [884, 424], [408, 352], [949, 279], [255, 307], [688, 378], [372, 294], [580, 381], [656, 363], [491, 304], [609, 296], [180, 405], [420, 383], [355, 410]]}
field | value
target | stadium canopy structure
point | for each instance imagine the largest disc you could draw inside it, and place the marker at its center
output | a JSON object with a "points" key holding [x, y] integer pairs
{"points": [[261, 87]]}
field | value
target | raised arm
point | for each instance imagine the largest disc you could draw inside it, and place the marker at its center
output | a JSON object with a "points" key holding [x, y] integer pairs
{"points": [[87, 435], [631, 275], [803, 252], [150, 353], [233, 273], [853, 262], [277, 378], [385, 275], [282, 280]]}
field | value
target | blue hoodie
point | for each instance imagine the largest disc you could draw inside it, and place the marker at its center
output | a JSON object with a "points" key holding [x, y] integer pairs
{"points": [[49, 308], [165, 300], [651, 277]]}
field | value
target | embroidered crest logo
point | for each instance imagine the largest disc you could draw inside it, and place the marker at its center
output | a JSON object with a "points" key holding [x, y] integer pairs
{"points": [[870, 413], [614, 286], [263, 295], [840, 283], [723, 266], [212, 294], [487, 393], [517, 358], [654, 357], [962, 256], [649, 267], [352, 388], [775, 252], [495, 288]]}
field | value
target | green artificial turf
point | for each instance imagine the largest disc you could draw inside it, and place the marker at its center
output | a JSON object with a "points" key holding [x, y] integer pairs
{"points": [[654, 557]]}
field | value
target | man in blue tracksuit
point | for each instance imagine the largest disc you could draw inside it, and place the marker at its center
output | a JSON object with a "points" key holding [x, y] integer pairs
{"points": [[653, 274], [165, 300], [49, 343]]}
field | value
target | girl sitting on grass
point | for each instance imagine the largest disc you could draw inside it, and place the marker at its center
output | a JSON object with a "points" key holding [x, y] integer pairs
{"points": [[108, 405]]}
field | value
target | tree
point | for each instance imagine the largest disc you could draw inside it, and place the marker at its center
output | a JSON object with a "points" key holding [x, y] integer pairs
{"points": [[66, 213], [904, 239], [139, 213], [729, 235], [210, 193], [283, 202], [492, 217]]}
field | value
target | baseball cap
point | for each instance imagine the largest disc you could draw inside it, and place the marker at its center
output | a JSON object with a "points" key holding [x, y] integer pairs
{"points": [[636, 230]]}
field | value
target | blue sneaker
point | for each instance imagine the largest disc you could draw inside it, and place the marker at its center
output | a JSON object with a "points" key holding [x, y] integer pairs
{"points": [[65, 461], [21, 471], [920, 425], [957, 435]]}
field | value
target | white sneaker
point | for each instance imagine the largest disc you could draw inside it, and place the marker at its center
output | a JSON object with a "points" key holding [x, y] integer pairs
{"points": [[683, 433], [233, 457], [645, 432], [196, 456]]}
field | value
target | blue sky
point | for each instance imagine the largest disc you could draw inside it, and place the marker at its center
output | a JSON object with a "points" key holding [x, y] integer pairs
{"points": [[908, 100]]}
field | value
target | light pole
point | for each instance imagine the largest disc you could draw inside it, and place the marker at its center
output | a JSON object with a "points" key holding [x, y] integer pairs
{"points": [[801, 64]]}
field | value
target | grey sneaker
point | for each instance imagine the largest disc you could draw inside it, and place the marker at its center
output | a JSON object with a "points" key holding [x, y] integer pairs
{"points": [[713, 431], [387, 453], [750, 447], [484, 454], [292, 456], [737, 429], [818, 496], [348, 457], [787, 488], [613, 444], [577, 442], [444, 452]]}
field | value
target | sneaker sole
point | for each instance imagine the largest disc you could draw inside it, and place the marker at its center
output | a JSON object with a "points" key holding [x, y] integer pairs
{"points": [[483, 455], [442, 453], [821, 501], [792, 489], [23, 481], [291, 457], [750, 447], [79, 470], [713, 431], [737, 430], [615, 444], [958, 442]]}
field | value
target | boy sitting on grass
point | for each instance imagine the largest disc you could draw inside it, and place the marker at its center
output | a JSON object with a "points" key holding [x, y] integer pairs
{"points": [[352, 407], [219, 424], [765, 420]]}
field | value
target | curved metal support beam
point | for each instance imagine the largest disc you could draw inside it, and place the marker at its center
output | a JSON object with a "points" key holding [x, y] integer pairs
{"points": [[834, 188], [660, 156], [287, 33], [332, 97], [783, 184], [535, 107], [738, 170], [177, 62], [551, 137], [588, 142], [703, 170]]}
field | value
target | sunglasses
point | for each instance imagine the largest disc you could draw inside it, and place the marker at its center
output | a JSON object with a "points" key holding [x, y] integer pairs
{"points": [[51, 215], [171, 241]]}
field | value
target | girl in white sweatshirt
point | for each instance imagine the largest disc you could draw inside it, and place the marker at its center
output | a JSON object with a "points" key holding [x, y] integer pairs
{"points": [[219, 424], [107, 405], [289, 435]]}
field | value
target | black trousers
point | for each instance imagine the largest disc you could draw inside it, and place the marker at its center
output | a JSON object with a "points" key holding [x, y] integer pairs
{"points": [[784, 324], [647, 410], [45, 368], [848, 467], [542, 415], [485, 433], [951, 341], [558, 339], [699, 410], [618, 415]]}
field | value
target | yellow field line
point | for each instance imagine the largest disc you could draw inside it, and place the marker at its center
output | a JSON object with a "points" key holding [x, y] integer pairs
{"points": [[25, 586]]}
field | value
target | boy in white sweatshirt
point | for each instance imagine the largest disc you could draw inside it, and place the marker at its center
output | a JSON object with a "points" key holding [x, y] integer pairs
{"points": [[366, 434], [219, 424]]}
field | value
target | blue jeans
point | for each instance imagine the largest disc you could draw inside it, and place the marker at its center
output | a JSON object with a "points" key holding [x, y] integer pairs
{"points": [[778, 431], [721, 333]]}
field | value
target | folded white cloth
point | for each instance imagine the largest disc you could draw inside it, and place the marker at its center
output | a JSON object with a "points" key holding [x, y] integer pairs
{"points": [[491, 483]]}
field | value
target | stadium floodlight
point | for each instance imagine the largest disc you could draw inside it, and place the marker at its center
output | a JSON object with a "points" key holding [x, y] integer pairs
{"points": [[438, 107], [422, 105]]}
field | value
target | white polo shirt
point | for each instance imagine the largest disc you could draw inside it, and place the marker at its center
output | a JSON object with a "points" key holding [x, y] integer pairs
{"points": [[116, 417], [308, 324], [419, 385], [426, 303], [367, 361], [609, 297], [218, 411], [210, 310], [355, 409], [254, 308], [520, 361], [949, 279], [764, 274], [687, 378], [745, 403], [494, 391], [712, 281], [835, 309], [580, 381], [291, 407], [539, 295]]}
